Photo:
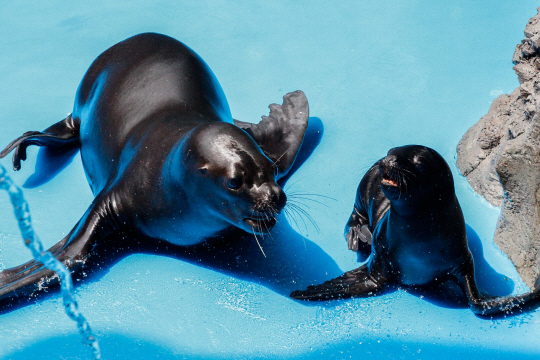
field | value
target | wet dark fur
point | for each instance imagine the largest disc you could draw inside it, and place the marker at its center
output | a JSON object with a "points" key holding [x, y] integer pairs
{"points": [[163, 155], [407, 201]]}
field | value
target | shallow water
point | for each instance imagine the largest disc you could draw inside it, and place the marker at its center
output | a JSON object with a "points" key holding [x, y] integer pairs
{"points": [[377, 75]]}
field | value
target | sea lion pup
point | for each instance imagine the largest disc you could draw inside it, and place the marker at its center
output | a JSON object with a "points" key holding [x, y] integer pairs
{"points": [[163, 155], [407, 201]]}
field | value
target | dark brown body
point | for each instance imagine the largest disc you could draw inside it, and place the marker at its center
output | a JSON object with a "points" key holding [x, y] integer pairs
{"points": [[408, 203], [162, 154], [149, 84]]}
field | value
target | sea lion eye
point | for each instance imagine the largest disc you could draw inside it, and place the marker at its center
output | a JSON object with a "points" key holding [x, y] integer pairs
{"points": [[235, 183]]}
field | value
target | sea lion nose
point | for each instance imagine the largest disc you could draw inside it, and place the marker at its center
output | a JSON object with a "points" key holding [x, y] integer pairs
{"points": [[389, 160], [273, 195]]}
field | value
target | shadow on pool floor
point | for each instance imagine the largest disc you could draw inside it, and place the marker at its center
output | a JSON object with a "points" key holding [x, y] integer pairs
{"points": [[121, 346]]}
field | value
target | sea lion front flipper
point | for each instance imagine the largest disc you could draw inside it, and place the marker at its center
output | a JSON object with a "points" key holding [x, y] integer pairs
{"points": [[63, 135], [280, 134], [72, 251], [358, 234], [355, 283]]}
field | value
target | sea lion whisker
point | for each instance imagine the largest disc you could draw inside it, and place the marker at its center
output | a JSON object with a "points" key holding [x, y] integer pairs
{"points": [[273, 211], [400, 183], [405, 177], [269, 210], [294, 183], [393, 172], [405, 184], [286, 190], [259, 226], [308, 217], [311, 194], [263, 211], [268, 231], [308, 199], [257, 240], [289, 216], [296, 212], [271, 214], [298, 203], [408, 171]]}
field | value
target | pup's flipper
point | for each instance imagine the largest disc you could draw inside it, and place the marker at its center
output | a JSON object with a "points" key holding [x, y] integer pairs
{"points": [[280, 134], [72, 251], [358, 234], [355, 283], [63, 136], [484, 305]]}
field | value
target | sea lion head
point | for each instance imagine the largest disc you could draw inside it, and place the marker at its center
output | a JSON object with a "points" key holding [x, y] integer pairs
{"points": [[231, 177], [415, 173]]}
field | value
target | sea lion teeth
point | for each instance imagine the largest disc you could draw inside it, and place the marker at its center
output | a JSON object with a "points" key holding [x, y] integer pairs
{"points": [[389, 182]]}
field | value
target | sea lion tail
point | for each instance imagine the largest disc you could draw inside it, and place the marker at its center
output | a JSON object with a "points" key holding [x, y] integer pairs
{"points": [[63, 137]]}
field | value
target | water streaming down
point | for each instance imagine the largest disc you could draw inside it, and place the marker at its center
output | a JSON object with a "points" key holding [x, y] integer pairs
{"points": [[31, 240]]}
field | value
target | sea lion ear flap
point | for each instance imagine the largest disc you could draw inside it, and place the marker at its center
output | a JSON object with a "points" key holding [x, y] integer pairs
{"points": [[280, 134]]}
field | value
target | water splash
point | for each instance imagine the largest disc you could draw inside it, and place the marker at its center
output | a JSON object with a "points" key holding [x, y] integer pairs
{"points": [[31, 240]]}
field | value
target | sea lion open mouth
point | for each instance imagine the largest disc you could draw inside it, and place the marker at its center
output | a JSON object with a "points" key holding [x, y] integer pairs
{"points": [[389, 182], [390, 174]]}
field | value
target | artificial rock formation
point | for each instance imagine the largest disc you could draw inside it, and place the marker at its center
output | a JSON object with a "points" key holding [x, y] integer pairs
{"points": [[500, 156]]}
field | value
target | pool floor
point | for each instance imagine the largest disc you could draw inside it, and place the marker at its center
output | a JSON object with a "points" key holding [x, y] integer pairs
{"points": [[377, 74]]}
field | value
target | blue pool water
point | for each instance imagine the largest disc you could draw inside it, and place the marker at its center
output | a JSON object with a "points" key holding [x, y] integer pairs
{"points": [[377, 74]]}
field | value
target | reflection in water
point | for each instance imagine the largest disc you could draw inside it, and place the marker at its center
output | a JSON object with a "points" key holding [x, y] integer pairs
{"points": [[31, 240]]}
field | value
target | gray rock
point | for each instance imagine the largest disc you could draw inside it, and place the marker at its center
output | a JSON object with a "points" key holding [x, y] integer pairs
{"points": [[500, 156]]}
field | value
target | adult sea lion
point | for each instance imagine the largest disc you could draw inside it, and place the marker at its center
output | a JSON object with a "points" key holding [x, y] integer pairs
{"points": [[162, 154], [407, 201]]}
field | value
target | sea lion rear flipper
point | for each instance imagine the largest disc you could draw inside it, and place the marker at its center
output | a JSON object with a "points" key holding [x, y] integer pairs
{"points": [[72, 251], [280, 134], [489, 305], [354, 283], [64, 136]]}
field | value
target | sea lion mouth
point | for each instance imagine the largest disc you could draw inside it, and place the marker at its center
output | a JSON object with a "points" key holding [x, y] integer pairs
{"points": [[389, 182], [391, 176], [260, 222]]}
